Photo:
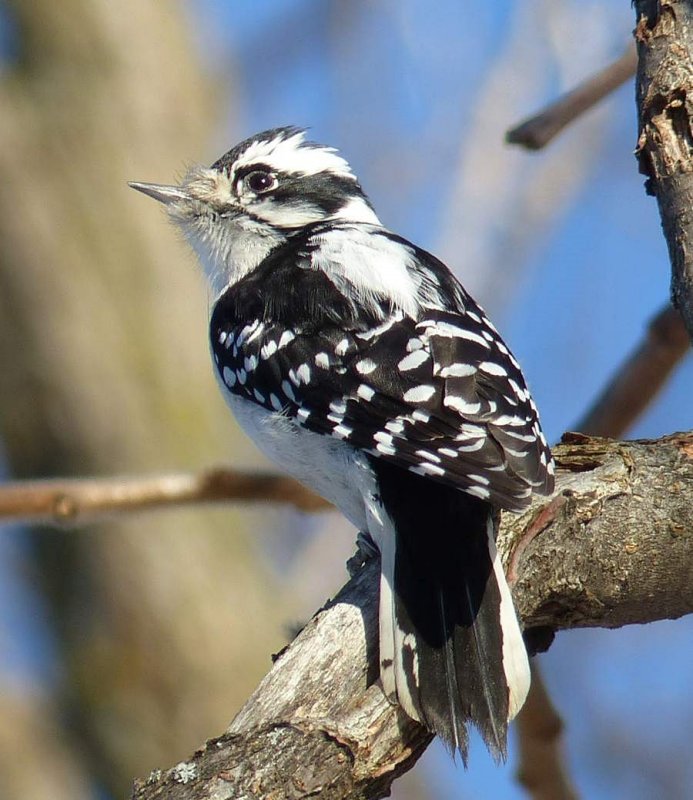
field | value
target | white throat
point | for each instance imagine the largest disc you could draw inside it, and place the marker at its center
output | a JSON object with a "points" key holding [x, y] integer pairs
{"points": [[230, 249]]}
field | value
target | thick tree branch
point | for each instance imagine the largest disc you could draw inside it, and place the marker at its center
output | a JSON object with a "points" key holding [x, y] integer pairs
{"points": [[538, 130], [613, 546], [664, 89]]}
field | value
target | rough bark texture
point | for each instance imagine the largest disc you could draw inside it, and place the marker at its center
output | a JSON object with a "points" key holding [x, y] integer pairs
{"points": [[317, 726], [612, 546], [664, 36]]}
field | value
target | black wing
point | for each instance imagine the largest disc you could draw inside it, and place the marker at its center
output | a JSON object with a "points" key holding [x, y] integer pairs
{"points": [[440, 395]]}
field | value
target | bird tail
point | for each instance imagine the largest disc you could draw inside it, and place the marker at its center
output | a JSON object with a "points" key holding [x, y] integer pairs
{"points": [[451, 648]]}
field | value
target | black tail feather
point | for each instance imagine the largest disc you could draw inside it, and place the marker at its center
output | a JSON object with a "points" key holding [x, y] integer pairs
{"points": [[447, 611]]}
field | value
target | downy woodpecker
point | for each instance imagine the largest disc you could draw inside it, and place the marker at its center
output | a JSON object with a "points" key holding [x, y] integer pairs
{"points": [[356, 361]]}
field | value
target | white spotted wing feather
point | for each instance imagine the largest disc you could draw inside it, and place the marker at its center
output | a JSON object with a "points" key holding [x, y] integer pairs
{"points": [[441, 396]]}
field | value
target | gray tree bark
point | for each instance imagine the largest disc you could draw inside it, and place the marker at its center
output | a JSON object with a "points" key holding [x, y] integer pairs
{"points": [[664, 89], [612, 546]]}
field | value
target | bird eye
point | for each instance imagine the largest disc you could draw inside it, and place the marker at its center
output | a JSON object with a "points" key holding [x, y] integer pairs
{"points": [[260, 181]]}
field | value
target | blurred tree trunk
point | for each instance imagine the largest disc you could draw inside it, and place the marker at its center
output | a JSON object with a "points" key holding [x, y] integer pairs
{"points": [[30, 733], [104, 367]]}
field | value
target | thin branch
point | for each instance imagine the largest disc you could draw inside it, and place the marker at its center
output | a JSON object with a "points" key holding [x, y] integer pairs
{"points": [[664, 90], [539, 731], [624, 557], [78, 501], [640, 378], [537, 131]]}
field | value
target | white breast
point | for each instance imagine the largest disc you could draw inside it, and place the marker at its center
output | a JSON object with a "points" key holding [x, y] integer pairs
{"points": [[328, 466]]}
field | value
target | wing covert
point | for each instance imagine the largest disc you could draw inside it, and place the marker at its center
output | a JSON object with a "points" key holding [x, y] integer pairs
{"points": [[441, 396]]}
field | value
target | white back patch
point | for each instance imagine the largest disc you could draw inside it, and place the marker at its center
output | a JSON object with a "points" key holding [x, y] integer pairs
{"points": [[372, 265]]}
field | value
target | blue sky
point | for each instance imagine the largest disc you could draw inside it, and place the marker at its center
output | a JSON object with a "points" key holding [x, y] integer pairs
{"points": [[398, 87]]}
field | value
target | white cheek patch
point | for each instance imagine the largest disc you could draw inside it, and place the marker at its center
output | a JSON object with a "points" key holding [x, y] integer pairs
{"points": [[301, 212], [357, 210], [283, 215]]}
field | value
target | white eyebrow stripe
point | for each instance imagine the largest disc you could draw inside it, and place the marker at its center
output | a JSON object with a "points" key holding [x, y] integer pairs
{"points": [[289, 153]]}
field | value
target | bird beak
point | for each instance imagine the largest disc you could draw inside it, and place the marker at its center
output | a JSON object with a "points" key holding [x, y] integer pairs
{"points": [[164, 194]]}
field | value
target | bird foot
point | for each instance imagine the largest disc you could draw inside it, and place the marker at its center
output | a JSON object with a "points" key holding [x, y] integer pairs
{"points": [[365, 551]]}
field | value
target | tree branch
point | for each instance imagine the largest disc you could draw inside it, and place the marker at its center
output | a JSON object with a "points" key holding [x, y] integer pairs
{"points": [[539, 727], [538, 130], [80, 501], [612, 546], [640, 377], [664, 89]]}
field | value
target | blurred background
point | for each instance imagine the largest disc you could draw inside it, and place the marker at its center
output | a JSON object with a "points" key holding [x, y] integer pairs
{"points": [[124, 646]]}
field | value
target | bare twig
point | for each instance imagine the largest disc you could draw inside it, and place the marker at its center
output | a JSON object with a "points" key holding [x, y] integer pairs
{"points": [[664, 90], [79, 501], [539, 728], [537, 131], [640, 377]]}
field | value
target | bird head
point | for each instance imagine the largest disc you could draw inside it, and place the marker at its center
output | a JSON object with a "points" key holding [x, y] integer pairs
{"points": [[256, 195]]}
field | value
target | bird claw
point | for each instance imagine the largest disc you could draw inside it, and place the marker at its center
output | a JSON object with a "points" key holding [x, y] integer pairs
{"points": [[365, 551]]}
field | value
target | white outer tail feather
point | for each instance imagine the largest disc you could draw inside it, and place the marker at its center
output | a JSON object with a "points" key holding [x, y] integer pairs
{"points": [[391, 637], [515, 660], [393, 676], [387, 624]]}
